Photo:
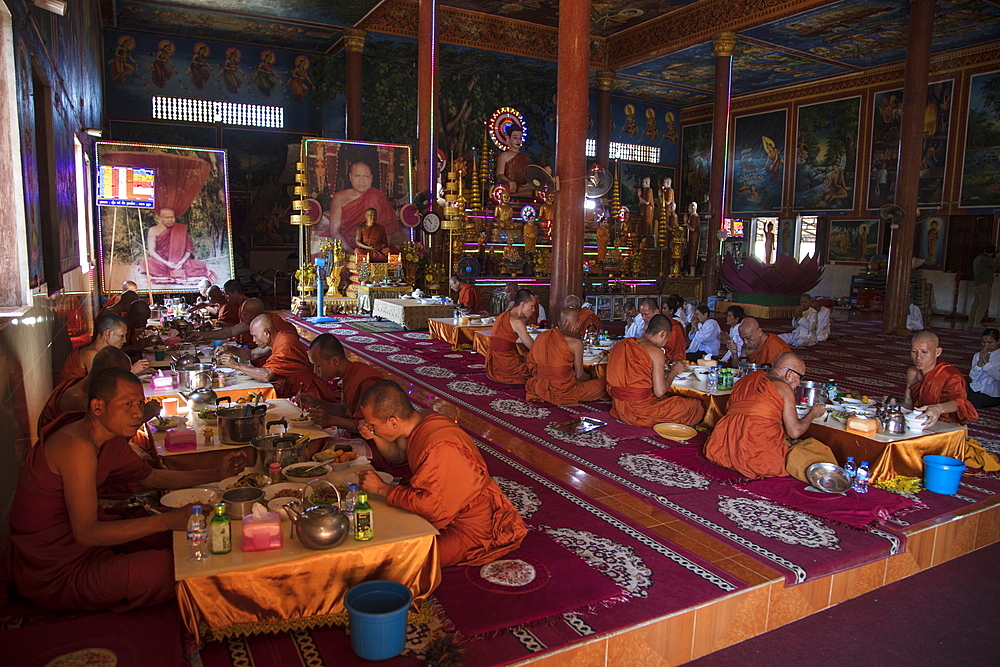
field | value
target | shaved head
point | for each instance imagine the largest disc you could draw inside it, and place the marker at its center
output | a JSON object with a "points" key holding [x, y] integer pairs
{"points": [[572, 301], [263, 331], [138, 314], [386, 399], [658, 323], [790, 360], [788, 367], [925, 348], [932, 338], [216, 295], [251, 309], [105, 385], [327, 345], [109, 357], [129, 285], [569, 321], [749, 327], [109, 323]]}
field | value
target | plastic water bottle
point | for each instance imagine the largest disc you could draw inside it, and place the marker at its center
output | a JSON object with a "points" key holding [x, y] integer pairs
{"points": [[197, 535], [713, 378], [350, 500], [832, 390], [861, 478], [851, 468]]}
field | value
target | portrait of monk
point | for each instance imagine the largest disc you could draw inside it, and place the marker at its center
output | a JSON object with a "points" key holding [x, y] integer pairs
{"points": [[348, 206], [171, 252]]}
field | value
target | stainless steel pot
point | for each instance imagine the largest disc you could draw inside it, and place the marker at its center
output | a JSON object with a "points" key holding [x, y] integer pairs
{"points": [[810, 393], [237, 429], [195, 376], [240, 502], [746, 368], [285, 448]]}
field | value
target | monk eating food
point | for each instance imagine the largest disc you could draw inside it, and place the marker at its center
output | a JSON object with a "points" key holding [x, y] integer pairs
{"points": [[287, 367], [117, 304], [504, 364], [450, 487], [556, 365], [760, 347], [677, 344], [137, 319], [329, 361], [589, 321], [468, 295], [249, 310], [935, 387], [229, 312], [753, 436], [61, 555], [214, 300], [639, 387], [109, 332], [70, 395]]}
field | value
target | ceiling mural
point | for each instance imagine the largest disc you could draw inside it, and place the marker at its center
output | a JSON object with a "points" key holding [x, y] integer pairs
{"points": [[339, 13], [657, 92]]}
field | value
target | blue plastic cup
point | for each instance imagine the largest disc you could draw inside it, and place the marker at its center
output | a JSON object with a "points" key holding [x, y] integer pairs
{"points": [[377, 611], [942, 474]]}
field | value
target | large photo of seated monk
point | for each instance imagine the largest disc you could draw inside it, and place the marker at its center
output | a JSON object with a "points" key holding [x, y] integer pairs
{"points": [[360, 188]]}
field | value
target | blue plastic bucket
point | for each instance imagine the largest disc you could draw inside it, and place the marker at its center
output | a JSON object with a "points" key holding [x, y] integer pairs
{"points": [[942, 474], [377, 611]]}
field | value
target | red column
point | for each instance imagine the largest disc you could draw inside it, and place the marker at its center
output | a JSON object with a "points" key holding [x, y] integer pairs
{"points": [[354, 44], [427, 45], [723, 44], [571, 145], [605, 83], [911, 148]]}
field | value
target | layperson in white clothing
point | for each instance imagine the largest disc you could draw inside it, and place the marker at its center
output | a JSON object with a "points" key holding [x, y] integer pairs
{"points": [[984, 389], [705, 336], [647, 309], [823, 315], [733, 342], [804, 325]]}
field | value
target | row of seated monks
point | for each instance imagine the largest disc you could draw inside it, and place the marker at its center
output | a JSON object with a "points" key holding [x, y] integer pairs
{"points": [[64, 552]]}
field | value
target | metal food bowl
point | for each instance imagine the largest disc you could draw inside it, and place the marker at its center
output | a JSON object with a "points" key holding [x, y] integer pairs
{"points": [[828, 477]]}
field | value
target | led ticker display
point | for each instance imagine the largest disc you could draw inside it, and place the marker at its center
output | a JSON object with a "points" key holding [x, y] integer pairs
{"points": [[734, 227], [126, 186]]}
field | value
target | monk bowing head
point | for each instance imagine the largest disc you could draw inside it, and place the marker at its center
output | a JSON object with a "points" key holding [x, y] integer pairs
{"points": [[388, 410], [327, 356], [130, 286], [925, 348], [138, 314], [109, 357], [115, 401], [233, 290], [569, 322], [751, 333], [572, 301], [203, 286], [217, 296], [455, 283], [658, 330], [789, 368], [263, 330], [251, 309], [110, 331], [127, 299], [648, 308]]}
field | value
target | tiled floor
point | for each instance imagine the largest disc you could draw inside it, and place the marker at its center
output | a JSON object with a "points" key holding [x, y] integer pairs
{"points": [[766, 605]]}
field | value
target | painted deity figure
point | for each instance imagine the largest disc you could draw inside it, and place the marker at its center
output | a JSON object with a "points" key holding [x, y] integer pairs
{"points": [[162, 69], [651, 130], [200, 71], [265, 78], [298, 79], [232, 75], [123, 64], [630, 128], [671, 132]]}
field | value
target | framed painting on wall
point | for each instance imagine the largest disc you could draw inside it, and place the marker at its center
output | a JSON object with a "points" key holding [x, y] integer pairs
{"points": [[981, 168], [758, 166], [696, 164], [853, 241], [163, 216], [826, 155], [933, 236]]}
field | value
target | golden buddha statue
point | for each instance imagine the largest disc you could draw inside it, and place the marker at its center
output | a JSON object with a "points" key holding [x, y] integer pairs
{"points": [[530, 232], [546, 214], [503, 213], [602, 242]]}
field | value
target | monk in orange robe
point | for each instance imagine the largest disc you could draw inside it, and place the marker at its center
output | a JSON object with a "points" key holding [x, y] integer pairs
{"points": [[938, 389], [110, 331], [229, 312], [677, 344], [137, 319], [468, 295], [329, 361], [450, 487], [760, 347], [70, 395], [371, 239], [171, 251], [752, 437], [118, 304], [61, 555], [504, 364], [556, 365], [589, 321], [287, 367], [639, 387]]}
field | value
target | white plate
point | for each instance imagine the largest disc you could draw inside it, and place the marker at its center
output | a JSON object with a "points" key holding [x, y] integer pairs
{"points": [[276, 505], [164, 423], [229, 481], [269, 491], [353, 477], [303, 423], [850, 401], [184, 497], [304, 466]]}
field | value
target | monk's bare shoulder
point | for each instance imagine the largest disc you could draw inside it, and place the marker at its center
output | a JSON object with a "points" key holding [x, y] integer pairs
{"points": [[655, 353], [69, 445], [913, 375], [782, 387], [573, 343]]}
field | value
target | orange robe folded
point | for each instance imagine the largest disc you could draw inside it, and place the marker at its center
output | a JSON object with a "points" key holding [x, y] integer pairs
{"points": [[942, 384], [677, 344], [589, 321], [293, 373], [229, 315], [504, 364], [52, 569], [281, 324], [553, 379], [52, 411], [750, 438], [772, 348], [468, 297], [72, 368], [452, 489], [357, 377], [630, 383]]}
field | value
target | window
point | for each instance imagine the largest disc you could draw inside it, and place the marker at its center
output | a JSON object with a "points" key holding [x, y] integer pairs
{"points": [[14, 251], [630, 152], [83, 222], [227, 113], [807, 237], [760, 238]]}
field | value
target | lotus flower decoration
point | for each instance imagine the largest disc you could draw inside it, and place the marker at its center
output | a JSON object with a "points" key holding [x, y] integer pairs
{"points": [[785, 276]]}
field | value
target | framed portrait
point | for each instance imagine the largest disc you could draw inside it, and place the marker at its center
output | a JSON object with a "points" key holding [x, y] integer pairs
{"points": [[853, 241], [758, 165], [826, 155], [348, 178], [696, 164], [933, 235], [163, 216], [980, 167]]}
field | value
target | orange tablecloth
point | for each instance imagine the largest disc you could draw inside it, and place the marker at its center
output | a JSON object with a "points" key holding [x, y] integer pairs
{"points": [[460, 337], [715, 403], [895, 457]]}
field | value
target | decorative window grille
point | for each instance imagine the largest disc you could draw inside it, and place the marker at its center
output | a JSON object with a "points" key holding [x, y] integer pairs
{"points": [[630, 152], [208, 111]]}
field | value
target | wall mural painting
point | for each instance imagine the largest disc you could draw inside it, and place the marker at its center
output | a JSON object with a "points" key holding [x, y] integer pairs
{"points": [[786, 236], [981, 170], [758, 168], [826, 155], [696, 164], [29, 165], [933, 233], [347, 178], [634, 122], [887, 116], [854, 241], [182, 236]]}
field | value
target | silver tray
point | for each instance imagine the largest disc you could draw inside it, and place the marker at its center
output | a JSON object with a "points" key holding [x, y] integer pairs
{"points": [[828, 478]]}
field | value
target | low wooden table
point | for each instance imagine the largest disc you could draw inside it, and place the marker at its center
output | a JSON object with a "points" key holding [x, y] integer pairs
{"points": [[714, 401], [367, 294], [410, 313], [461, 336], [243, 593]]}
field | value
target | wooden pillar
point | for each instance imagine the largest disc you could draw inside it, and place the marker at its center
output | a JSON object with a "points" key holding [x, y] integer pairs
{"points": [[571, 158], [605, 83], [723, 45], [354, 44], [427, 93], [911, 149]]}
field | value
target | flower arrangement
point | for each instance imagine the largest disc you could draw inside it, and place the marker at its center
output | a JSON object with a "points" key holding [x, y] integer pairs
{"points": [[415, 257]]}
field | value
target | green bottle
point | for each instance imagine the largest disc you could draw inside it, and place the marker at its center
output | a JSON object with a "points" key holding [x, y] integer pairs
{"points": [[363, 529], [220, 534]]}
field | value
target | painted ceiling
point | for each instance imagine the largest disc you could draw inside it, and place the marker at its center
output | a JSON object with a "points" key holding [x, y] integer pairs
{"points": [[838, 38]]}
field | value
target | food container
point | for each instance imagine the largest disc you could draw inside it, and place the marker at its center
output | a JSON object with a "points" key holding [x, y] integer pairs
{"points": [[237, 429], [746, 368], [195, 376], [285, 449], [810, 393], [240, 502]]}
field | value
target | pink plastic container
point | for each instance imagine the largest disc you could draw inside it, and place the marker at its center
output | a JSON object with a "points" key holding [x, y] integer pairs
{"points": [[262, 534], [180, 439]]}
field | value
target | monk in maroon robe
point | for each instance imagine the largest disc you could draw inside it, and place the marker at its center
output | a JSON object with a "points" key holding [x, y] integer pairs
{"points": [[371, 239], [171, 251], [348, 206]]}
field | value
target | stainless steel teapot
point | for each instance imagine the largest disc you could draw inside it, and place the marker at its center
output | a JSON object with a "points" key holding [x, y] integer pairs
{"points": [[890, 418], [199, 399], [321, 526]]}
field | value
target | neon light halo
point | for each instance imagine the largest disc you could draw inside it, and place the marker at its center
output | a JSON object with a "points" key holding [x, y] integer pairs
{"points": [[496, 190], [528, 213], [502, 122]]}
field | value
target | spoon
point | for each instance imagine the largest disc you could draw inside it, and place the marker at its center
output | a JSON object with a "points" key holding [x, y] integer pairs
{"points": [[829, 411]]}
